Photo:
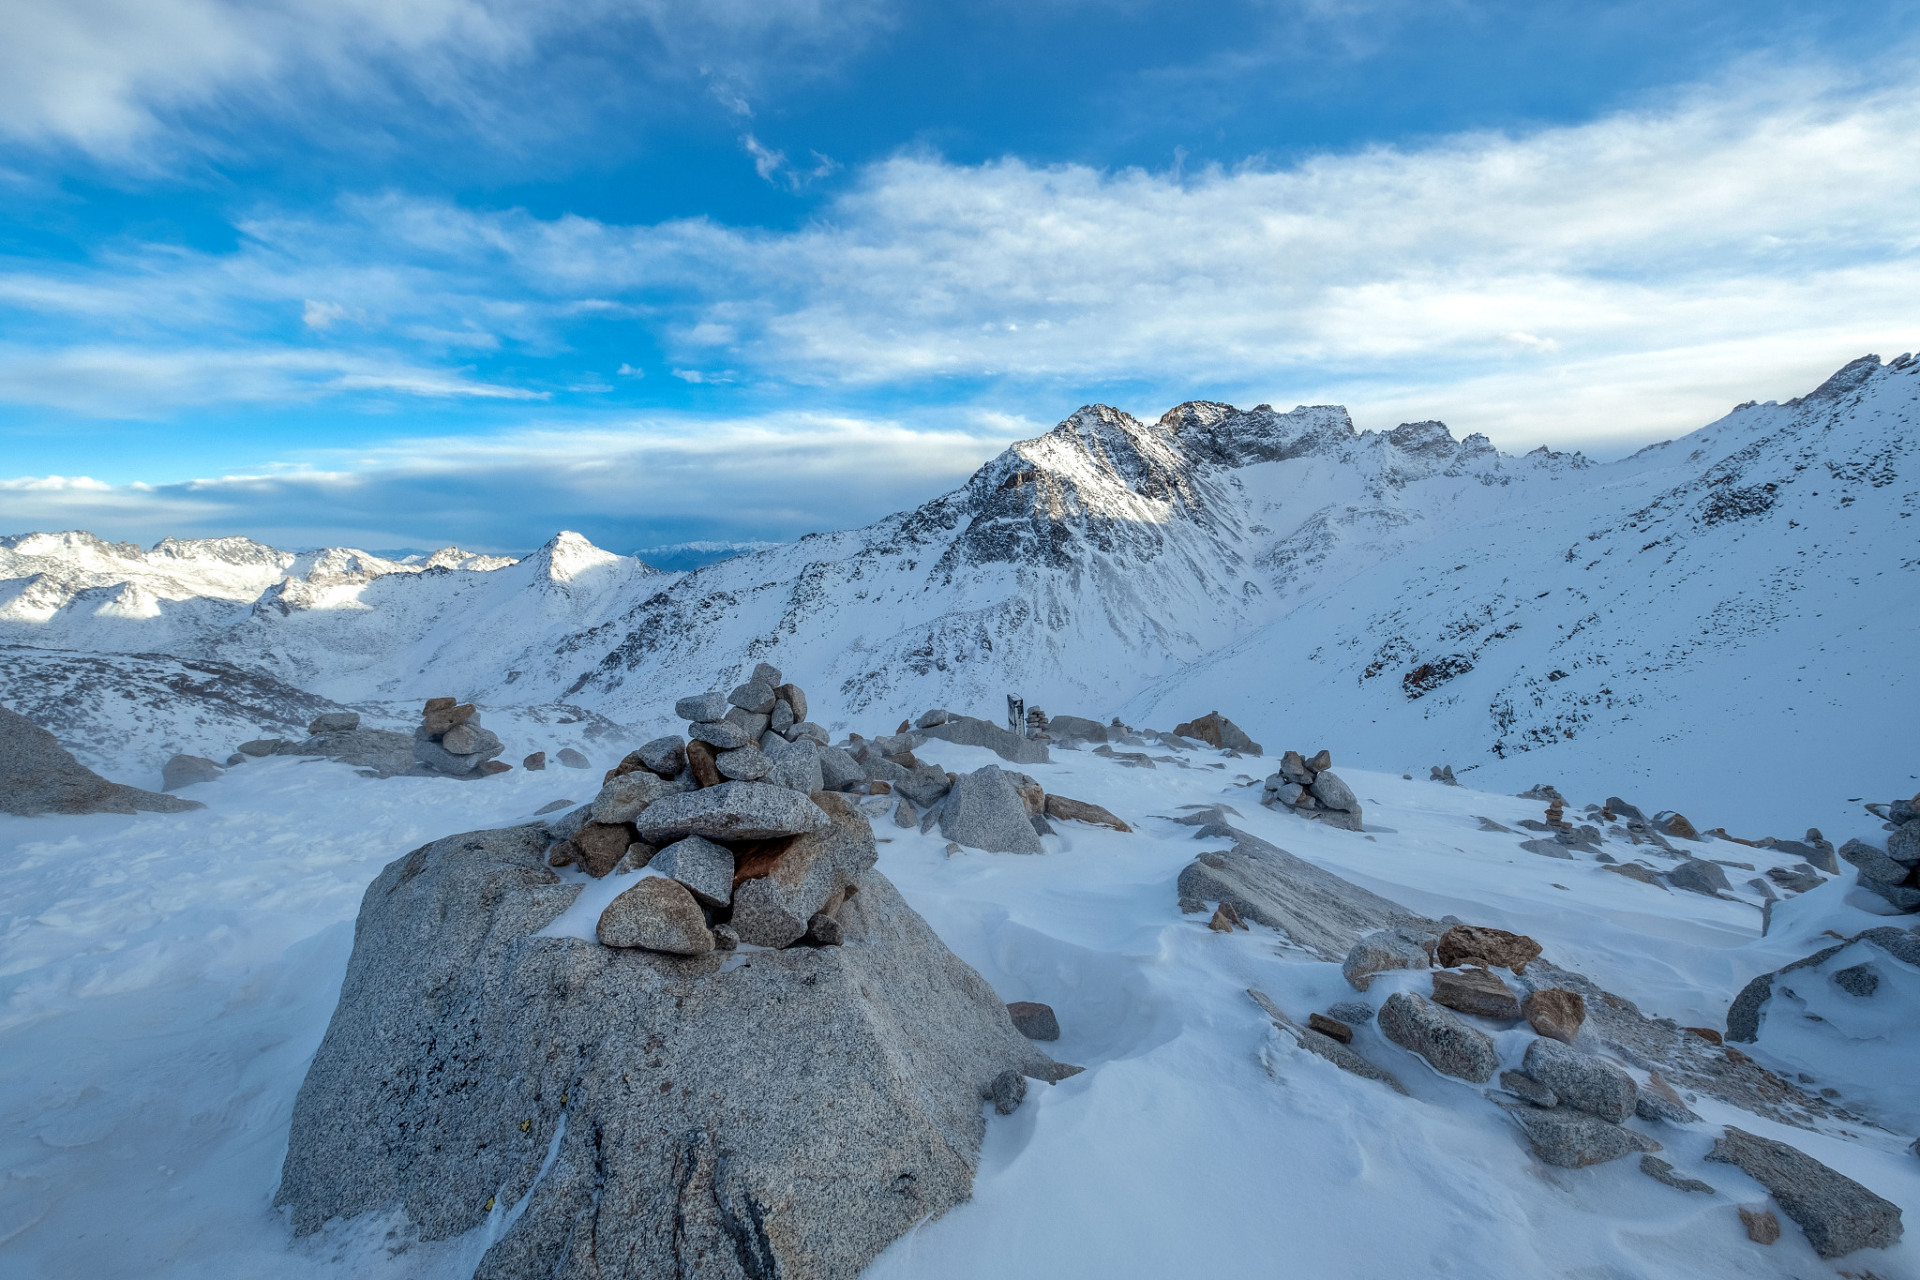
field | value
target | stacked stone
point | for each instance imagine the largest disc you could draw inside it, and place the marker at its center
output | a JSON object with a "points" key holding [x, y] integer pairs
{"points": [[451, 743], [1311, 789], [1894, 872]]}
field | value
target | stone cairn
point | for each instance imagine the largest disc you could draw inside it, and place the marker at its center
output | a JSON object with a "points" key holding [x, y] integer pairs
{"points": [[1311, 789], [451, 743], [1893, 872]]}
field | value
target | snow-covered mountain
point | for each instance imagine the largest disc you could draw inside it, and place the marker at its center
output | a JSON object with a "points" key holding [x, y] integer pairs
{"points": [[1685, 616]]}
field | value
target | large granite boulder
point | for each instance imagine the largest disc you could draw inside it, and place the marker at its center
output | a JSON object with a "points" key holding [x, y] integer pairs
{"points": [[984, 811], [38, 775], [1837, 1213], [969, 732], [624, 1112]]}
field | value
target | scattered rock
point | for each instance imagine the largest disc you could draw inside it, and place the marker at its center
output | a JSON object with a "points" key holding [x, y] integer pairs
{"points": [[1573, 1139], [1555, 1013], [260, 747], [1837, 1214], [333, 722], [705, 868], [1581, 1080], [1449, 1045], [535, 763], [905, 815], [1226, 919], [969, 732], [1636, 871], [1340, 1055], [1475, 991], [1660, 1101], [186, 771], [1443, 773], [1484, 945], [1008, 1091], [984, 811], [1066, 728], [573, 759], [731, 811], [1355, 1013], [1660, 1171], [657, 914], [1380, 951], [1219, 732], [1034, 1020], [1333, 1027], [1762, 1227], [1676, 825], [1699, 876], [1522, 1085]]}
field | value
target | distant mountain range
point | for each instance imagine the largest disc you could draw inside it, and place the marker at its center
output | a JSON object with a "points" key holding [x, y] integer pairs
{"points": [[1734, 603]]}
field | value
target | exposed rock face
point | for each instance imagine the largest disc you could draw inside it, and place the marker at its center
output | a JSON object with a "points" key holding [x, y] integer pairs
{"points": [[1660, 1171], [38, 775], [1034, 1020], [1438, 1035], [1837, 1213], [789, 1117], [186, 771]]}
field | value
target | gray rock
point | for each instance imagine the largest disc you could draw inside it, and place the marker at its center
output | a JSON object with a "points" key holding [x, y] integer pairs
{"points": [[1330, 791], [795, 697], [262, 746], [1903, 844], [438, 759], [925, 786], [1041, 827], [1860, 980], [725, 939], [385, 753], [627, 796], [824, 930], [1063, 728], [1573, 1139], [1872, 864], [1581, 1080], [1636, 871], [984, 811], [38, 775], [837, 768], [1525, 1086], [766, 673], [237, 758], [756, 723], [1697, 875], [1355, 1013], [896, 744], [781, 719], [456, 1024], [1795, 879], [554, 806], [1660, 1171], [755, 696], [1625, 810], [1317, 910], [722, 735], [470, 739], [1034, 1020], [731, 811], [881, 769], [1008, 1091], [798, 767], [969, 732], [929, 719], [665, 756], [702, 708], [186, 771], [1448, 1044], [1279, 791], [1379, 951], [1899, 895], [745, 764], [573, 759], [808, 729], [1659, 1101], [1341, 1055], [705, 868], [1837, 1213], [659, 915], [814, 871], [535, 762], [333, 722]]}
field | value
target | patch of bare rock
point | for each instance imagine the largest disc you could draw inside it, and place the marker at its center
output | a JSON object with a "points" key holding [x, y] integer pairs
{"points": [[38, 775]]}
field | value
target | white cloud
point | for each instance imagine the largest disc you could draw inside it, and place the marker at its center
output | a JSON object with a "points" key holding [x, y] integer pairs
{"points": [[321, 316]]}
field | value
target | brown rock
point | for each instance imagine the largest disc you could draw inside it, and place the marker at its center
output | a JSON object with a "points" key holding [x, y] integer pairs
{"points": [[602, 845], [906, 726], [441, 719], [1555, 1013], [563, 854], [1487, 946], [700, 756], [879, 787], [535, 762], [794, 698], [1474, 991], [1081, 811], [1330, 1027], [490, 767], [823, 930], [906, 760], [1708, 1034], [1226, 919], [1322, 760], [1033, 797], [1034, 1020], [657, 914], [1206, 729], [1635, 871], [1677, 825], [437, 704], [1762, 1227]]}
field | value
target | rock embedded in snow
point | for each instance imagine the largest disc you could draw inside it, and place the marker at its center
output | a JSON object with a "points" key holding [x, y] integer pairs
{"points": [[1762, 1227], [1218, 732], [535, 763], [1581, 1080], [657, 914], [1522, 1085], [1660, 1171], [968, 732], [1475, 991], [705, 868], [1660, 1101], [573, 759], [1065, 809], [984, 811], [1355, 1013], [333, 722], [926, 785], [601, 846], [1636, 871], [1034, 1020], [905, 815], [1007, 1092], [1573, 1139], [1697, 875], [731, 811], [1063, 728], [1331, 1027], [1381, 951], [1485, 945], [186, 771], [1449, 1045], [38, 775], [1837, 1214], [260, 747], [1226, 919], [1555, 1013]]}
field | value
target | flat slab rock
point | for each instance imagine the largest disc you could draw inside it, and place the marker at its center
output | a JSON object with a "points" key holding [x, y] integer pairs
{"points": [[1837, 1213], [38, 775], [789, 1116]]}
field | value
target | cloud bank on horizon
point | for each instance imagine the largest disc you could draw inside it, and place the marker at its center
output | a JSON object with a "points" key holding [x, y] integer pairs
{"points": [[441, 270]]}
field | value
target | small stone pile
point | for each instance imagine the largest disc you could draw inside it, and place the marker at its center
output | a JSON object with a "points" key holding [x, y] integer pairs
{"points": [[1893, 872], [1311, 789], [450, 742]]}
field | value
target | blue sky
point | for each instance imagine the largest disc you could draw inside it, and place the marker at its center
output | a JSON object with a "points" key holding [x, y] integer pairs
{"points": [[402, 272]]}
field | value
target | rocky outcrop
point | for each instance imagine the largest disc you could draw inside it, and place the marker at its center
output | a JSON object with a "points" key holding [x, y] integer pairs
{"points": [[1311, 789], [1009, 746], [1837, 1213], [1746, 1014], [621, 1111], [1217, 731], [38, 775]]}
